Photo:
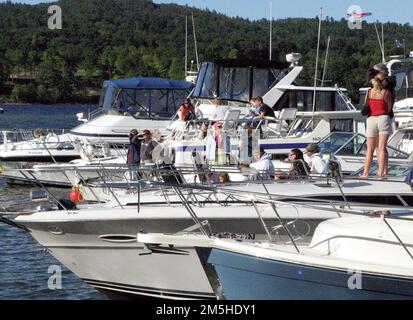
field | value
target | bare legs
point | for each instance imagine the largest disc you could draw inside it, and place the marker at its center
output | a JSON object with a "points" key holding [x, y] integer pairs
{"points": [[383, 156], [371, 146]]}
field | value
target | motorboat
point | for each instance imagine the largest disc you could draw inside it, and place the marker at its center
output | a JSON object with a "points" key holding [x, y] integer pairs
{"points": [[347, 258], [359, 255], [89, 238], [125, 104], [298, 120]]}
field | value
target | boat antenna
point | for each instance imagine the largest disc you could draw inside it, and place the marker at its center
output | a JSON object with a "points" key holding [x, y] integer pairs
{"points": [[382, 39], [270, 30], [325, 61], [186, 46], [380, 42], [196, 46], [316, 63]]}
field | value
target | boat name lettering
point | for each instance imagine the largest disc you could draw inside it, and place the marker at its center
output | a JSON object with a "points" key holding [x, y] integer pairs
{"points": [[236, 236]]}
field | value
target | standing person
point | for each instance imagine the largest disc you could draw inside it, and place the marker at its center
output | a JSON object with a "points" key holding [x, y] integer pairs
{"points": [[378, 126], [388, 83], [147, 147], [220, 110], [186, 111], [133, 157]]}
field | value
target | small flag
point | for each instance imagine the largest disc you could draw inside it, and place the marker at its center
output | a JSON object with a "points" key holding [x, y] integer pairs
{"points": [[400, 44], [359, 15]]}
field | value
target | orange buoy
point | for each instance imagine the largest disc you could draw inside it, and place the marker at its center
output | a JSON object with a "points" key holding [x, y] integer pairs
{"points": [[76, 196]]}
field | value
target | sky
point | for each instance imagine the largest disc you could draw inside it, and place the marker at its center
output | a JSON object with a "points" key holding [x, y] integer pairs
{"points": [[383, 10]]}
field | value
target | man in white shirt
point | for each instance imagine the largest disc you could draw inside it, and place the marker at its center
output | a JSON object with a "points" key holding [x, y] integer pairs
{"points": [[264, 165], [315, 160]]}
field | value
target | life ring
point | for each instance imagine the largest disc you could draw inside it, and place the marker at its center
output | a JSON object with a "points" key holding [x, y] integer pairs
{"points": [[38, 133], [52, 140]]}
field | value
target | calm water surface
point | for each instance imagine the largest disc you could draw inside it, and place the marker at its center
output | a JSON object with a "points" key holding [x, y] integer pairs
{"points": [[23, 263]]}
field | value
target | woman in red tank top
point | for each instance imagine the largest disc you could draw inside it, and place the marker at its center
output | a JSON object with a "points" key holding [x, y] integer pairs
{"points": [[378, 127]]}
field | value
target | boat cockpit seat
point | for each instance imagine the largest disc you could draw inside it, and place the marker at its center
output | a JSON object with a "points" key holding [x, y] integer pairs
{"points": [[230, 122], [335, 170], [285, 122]]}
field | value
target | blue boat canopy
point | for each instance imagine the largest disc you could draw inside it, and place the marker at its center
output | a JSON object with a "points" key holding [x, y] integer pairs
{"points": [[144, 97], [150, 84]]}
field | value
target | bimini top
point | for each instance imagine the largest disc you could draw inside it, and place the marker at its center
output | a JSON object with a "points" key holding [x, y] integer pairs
{"points": [[150, 84]]}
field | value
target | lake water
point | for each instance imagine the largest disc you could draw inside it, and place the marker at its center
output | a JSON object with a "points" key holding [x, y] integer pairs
{"points": [[24, 264]]}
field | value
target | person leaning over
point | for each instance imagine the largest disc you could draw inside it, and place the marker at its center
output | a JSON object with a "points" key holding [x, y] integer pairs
{"points": [[378, 127], [264, 109]]}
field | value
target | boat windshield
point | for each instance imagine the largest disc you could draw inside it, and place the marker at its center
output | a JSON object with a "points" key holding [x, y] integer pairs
{"points": [[142, 103], [333, 142], [237, 80], [350, 144], [395, 170]]}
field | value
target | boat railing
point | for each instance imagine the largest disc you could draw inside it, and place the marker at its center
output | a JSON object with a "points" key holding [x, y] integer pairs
{"points": [[8, 136], [344, 97], [116, 177], [94, 113], [267, 127]]}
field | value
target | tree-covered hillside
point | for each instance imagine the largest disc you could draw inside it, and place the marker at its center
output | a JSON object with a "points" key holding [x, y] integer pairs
{"points": [[103, 39]]}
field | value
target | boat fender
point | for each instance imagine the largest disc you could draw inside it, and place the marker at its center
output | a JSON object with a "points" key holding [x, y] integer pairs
{"points": [[76, 195]]}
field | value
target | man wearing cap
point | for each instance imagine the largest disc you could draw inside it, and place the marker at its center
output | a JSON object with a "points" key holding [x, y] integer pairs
{"points": [[186, 111], [315, 161]]}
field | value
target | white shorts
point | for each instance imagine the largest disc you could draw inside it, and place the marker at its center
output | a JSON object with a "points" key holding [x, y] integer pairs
{"points": [[377, 125]]}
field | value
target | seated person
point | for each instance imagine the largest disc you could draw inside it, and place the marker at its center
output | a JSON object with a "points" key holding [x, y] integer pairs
{"points": [[218, 177], [186, 111], [263, 165], [315, 161], [253, 110], [265, 110], [298, 167]]}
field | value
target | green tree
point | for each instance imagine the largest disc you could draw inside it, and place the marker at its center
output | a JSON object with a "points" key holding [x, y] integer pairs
{"points": [[55, 81]]}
